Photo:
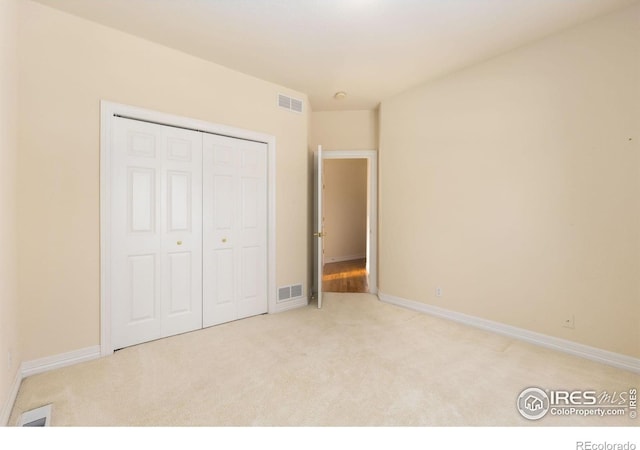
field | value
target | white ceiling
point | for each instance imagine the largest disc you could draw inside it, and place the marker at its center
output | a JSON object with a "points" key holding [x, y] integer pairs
{"points": [[371, 49]]}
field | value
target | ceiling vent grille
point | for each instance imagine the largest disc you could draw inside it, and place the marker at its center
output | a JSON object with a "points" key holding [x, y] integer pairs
{"points": [[290, 103]]}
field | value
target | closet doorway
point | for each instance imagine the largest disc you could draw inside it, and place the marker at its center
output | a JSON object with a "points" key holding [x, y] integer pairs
{"points": [[186, 225]]}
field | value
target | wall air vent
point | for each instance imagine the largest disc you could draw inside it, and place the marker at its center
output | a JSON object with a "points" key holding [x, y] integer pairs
{"points": [[290, 103], [296, 291], [286, 293]]}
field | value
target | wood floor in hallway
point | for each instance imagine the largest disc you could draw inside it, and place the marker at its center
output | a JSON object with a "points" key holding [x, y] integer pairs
{"points": [[346, 276]]}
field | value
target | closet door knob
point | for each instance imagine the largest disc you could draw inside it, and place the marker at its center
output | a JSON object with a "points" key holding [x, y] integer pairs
{"points": [[224, 239], [179, 242]]}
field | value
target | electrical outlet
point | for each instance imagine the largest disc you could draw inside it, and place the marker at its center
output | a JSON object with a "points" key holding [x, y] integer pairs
{"points": [[438, 292], [569, 322]]}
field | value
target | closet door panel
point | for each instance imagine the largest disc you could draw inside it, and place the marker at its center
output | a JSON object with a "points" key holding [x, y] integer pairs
{"points": [[135, 233], [234, 229], [182, 230], [156, 235]]}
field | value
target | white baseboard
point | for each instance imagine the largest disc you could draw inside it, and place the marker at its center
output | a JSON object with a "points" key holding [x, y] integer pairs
{"points": [[573, 348], [332, 259], [57, 361], [5, 413], [291, 304], [40, 365]]}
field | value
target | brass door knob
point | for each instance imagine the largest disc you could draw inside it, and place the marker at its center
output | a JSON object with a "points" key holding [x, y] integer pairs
{"points": [[179, 242]]}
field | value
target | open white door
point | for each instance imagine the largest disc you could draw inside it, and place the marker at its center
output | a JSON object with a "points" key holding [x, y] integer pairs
{"points": [[317, 225]]}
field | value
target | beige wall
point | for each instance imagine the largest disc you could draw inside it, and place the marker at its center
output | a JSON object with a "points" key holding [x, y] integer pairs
{"points": [[344, 130], [345, 209], [67, 66], [9, 331], [514, 186]]}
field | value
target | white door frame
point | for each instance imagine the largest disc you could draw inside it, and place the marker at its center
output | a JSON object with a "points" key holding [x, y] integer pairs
{"points": [[372, 206], [107, 112], [318, 225]]}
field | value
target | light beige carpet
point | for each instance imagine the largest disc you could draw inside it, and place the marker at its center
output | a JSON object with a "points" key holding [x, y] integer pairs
{"points": [[356, 362]]}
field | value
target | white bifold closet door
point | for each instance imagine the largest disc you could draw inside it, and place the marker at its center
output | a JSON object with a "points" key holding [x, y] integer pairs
{"points": [[235, 229], [156, 232], [189, 230]]}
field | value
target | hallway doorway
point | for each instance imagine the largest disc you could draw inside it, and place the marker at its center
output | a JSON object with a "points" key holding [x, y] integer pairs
{"points": [[348, 212]]}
